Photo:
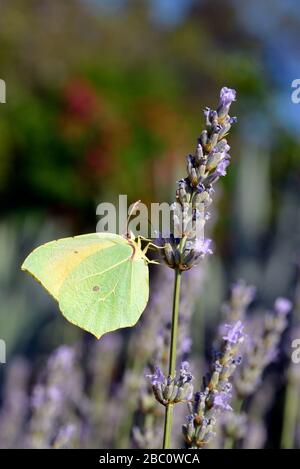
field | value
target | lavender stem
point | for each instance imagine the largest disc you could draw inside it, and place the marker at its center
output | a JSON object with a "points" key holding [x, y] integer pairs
{"points": [[172, 357], [290, 415]]}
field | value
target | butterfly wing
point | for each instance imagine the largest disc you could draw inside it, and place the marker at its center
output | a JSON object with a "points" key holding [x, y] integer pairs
{"points": [[98, 282]]}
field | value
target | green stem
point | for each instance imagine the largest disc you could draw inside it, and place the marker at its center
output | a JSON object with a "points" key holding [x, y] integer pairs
{"points": [[228, 442], [290, 415], [168, 426], [239, 405], [172, 357]]}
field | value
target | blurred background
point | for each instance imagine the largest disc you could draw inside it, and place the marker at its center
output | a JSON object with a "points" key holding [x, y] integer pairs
{"points": [[106, 97]]}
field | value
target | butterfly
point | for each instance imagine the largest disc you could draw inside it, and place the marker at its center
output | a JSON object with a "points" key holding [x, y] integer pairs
{"points": [[100, 280]]}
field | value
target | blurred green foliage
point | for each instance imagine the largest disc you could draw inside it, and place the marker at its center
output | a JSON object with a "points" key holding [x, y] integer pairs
{"points": [[101, 103]]}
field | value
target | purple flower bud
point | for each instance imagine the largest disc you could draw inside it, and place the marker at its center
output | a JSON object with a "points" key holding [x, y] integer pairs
{"points": [[185, 374], [218, 367], [157, 378], [190, 418], [172, 389], [202, 246], [283, 306], [221, 400], [234, 333], [227, 95], [221, 168], [238, 360], [200, 187]]}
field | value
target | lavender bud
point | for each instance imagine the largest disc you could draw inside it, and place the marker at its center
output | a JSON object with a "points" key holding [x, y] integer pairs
{"points": [[221, 168], [227, 96], [172, 390], [221, 400], [283, 306], [234, 333]]}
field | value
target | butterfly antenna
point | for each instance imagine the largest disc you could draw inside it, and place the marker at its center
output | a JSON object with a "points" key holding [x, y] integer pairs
{"points": [[132, 212]]}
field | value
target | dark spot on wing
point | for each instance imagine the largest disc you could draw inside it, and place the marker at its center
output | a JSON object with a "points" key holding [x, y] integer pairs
{"points": [[75, 252], [96, 288]]}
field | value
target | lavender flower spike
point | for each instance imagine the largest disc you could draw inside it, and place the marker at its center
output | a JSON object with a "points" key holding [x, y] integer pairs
{"points": [[215, 396], [263, 348], [194, 192]]}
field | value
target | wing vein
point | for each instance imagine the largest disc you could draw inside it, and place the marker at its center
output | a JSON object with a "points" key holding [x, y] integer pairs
{"points": [[103, 271]]}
